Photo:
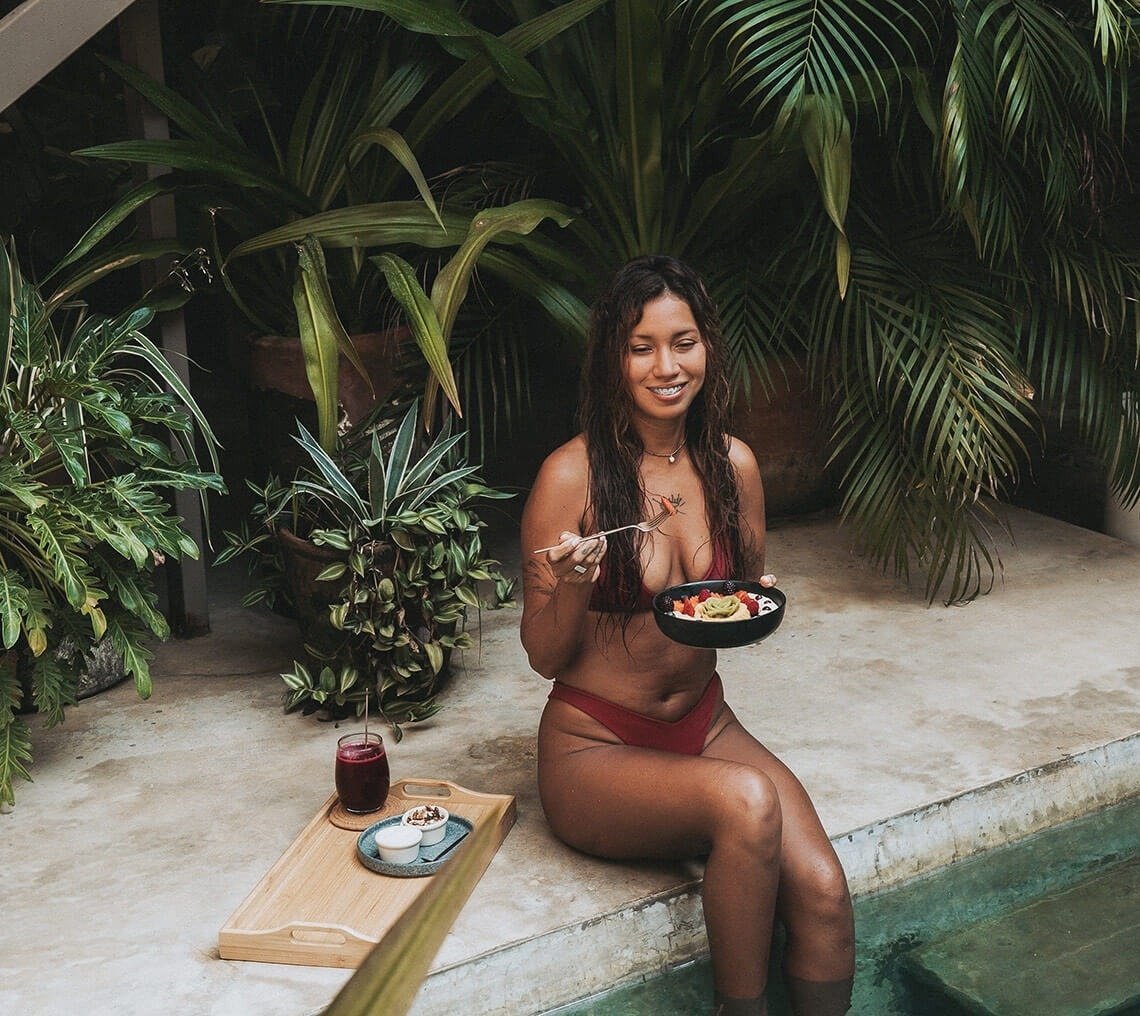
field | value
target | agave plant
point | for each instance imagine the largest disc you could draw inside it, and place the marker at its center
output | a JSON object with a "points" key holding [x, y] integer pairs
{"points": [[96, 429], [410, 562]]}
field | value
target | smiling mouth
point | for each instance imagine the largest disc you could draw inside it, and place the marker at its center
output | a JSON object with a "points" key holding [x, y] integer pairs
{"points": [[668, 391]]}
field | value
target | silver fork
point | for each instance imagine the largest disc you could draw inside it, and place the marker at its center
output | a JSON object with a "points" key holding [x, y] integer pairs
{"points": [[646, 527]]}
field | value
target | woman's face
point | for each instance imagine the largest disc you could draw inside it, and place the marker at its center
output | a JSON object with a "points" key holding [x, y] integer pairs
{"points": [[665, 359]]}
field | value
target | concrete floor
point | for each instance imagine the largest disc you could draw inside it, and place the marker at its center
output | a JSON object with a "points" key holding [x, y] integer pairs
{"points": [[923, 733]]}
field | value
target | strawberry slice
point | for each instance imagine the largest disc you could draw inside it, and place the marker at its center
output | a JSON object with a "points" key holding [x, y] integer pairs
{"points": [[752, 604], [703, 595], [688, 608]]}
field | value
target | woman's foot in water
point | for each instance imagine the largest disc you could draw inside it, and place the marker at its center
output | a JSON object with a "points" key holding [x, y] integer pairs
{"points": [[819, 998], [725, 1006]]}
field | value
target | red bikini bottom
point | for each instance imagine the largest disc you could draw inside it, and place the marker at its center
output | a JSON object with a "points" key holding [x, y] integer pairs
{"points": [[685, 736]]}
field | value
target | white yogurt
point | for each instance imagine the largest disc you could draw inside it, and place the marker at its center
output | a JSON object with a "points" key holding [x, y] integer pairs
{"points": [[398, 844]]}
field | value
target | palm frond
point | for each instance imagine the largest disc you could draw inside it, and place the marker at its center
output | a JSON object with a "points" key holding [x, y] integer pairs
{"points": [[781, 53], [933, 406]]}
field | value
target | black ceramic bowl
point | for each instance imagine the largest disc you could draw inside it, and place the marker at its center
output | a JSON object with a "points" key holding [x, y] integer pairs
{"points": [[717, 634]]}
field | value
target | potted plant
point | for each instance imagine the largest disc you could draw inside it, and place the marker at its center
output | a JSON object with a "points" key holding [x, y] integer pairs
{"points": [[334, 159], [397, 526], [403, 565], [96, 429]]}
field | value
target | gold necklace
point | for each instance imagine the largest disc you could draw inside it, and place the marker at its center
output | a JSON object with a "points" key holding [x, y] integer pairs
{"points": [[671, 456]]}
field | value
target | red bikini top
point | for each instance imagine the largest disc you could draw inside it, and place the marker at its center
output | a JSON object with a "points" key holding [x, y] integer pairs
{"points": [[601, 599]]}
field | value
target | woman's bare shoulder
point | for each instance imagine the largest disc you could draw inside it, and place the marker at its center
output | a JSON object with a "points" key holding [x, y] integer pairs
{"points": [[742, 457], [562, 481], [567, 465]]}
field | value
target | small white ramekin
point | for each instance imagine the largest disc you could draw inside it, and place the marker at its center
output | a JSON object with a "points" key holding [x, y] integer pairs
{"points": [[398, 844], [434, 831]]}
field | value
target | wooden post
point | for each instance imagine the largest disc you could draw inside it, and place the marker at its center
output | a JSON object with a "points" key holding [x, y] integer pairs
{"points": [[140, 43]]}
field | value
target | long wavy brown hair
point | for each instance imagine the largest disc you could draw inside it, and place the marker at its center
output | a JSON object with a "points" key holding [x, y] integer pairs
{"points": [[616, 492]]}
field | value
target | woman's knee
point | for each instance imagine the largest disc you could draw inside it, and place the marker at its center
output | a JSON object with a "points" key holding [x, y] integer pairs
{"points": [[824, 900], [748, 811]]}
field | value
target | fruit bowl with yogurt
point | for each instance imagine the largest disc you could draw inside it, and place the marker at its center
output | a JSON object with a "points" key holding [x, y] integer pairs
{"points": [[719, 614]]}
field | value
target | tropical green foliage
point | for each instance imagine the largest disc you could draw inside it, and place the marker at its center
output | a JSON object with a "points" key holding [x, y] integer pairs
{"points": [[253, 156], [96, 429], [924, 201], [405, 519], [272, 168]]}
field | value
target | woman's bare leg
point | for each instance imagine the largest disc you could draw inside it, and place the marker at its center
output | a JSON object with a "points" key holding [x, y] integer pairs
{"points": [[813, 900], [617, 801]]}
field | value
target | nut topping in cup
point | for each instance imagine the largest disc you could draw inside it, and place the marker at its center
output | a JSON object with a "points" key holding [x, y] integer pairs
{"points": [[430, 819]]}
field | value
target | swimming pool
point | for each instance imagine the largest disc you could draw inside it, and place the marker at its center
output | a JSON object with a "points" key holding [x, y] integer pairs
{"points": [[905, 933]]}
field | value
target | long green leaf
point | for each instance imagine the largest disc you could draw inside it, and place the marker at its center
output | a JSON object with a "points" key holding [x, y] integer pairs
{"points": [[9, 283], [97, 268], [110, 219], [321, 334], [236, 168], [339, 484], [391, 140], [178, 110], [396, 967], [639, 73], [450, 287], [467, 83], [379, 224], [434, 19], [401, 452], [137, 344], [827, 141], [423, 321]]}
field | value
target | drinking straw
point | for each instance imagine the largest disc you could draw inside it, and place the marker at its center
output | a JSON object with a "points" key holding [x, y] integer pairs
{"points": [[365, 715]]}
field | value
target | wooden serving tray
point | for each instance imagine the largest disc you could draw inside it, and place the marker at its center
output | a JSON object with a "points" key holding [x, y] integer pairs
{"points": [[318, 906]]}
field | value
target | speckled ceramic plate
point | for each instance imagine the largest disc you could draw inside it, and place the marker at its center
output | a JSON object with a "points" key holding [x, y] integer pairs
{"points": [[431, 858]]}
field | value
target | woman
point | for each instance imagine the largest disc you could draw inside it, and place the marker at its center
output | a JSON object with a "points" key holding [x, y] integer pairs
{"points": [[638, 754]]}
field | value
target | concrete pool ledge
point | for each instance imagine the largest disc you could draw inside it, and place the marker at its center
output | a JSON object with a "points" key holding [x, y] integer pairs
{"points": [[651, 935], [884, 854]]}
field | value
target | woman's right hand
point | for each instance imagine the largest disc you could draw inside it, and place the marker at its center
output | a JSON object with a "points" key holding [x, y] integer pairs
{"points": [[576, 560]]}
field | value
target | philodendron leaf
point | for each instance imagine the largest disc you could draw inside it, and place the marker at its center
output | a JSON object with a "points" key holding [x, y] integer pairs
{"points": [[423, 320], [135, 656], [12, 601], [15, 751]]}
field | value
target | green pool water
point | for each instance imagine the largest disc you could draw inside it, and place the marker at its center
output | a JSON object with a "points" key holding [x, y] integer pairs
{"points": [[894, 927]]}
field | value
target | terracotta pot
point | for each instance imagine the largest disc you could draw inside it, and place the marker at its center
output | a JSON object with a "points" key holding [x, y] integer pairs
{"points": [[787, 431], [275, 369], [277, 364], [304, 561]]}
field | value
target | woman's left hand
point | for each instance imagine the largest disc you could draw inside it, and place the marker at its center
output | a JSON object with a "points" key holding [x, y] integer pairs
{"points": [[768, 581]]}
